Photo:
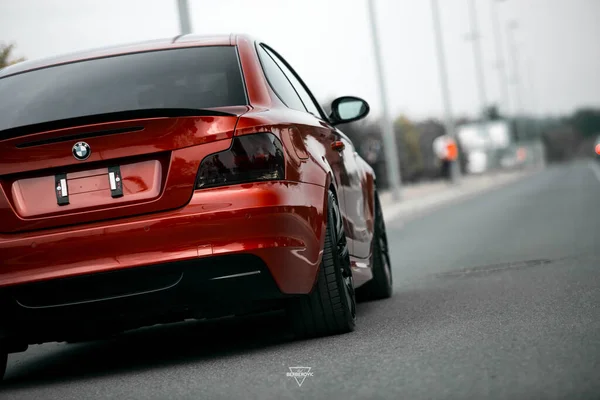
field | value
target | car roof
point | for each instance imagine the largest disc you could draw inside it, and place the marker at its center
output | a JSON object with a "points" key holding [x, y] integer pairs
{"points": [[190, 40]]}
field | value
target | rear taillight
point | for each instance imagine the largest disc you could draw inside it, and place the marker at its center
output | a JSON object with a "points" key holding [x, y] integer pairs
{"points": [[255, 157]]}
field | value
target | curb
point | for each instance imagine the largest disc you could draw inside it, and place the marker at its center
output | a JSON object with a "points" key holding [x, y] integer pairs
{"points": [[416, 207]]}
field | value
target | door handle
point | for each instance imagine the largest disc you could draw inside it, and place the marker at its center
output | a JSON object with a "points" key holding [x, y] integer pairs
{"points": [[338, 145]]}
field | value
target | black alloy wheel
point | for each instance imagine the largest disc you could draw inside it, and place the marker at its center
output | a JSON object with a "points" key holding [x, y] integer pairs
{"points": [[381, 286], [331, 306]]}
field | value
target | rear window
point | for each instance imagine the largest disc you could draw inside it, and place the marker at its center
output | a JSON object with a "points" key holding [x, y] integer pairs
{"points": [[196, 77]]}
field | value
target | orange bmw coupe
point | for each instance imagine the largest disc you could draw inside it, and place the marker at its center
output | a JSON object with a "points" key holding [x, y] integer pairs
{"points": [[193, 177]]}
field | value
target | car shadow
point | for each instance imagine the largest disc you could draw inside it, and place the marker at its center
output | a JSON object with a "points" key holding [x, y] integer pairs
{"points": [[158, 346]]}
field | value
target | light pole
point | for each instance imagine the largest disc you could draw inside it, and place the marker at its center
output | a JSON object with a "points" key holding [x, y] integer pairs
{"points": [[500, 65], [535, 111], [532, 105], [480, 78], [441, 56], [389, 139], [185, 26], [475, 36], [480, 82], [516, 81]]}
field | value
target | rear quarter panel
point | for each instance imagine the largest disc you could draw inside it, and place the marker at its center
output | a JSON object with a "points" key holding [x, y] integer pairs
{"points": [[309, 156], [307, 140]]}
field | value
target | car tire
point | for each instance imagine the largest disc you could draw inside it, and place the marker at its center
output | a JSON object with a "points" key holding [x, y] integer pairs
{"points": [[331, 306], [381, 286], [3, 363]]}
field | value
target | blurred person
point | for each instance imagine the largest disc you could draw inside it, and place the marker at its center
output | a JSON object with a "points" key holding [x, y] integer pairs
{"points": [[446, 149]]}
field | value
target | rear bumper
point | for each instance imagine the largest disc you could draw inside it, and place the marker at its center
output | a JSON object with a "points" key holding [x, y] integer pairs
{"points": [[230, 250], [282, 223]]}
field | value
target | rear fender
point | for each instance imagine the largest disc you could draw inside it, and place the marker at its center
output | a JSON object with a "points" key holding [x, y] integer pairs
{"points": [[328, 185]]}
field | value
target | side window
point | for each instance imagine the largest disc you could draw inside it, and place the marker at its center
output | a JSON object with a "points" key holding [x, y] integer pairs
{"points": [[280, 84], [304, 95]]}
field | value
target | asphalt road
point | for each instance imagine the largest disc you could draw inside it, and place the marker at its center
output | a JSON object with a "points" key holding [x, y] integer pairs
{"points": [[495, 297]]}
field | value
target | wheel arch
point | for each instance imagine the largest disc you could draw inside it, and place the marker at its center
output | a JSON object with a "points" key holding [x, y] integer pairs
{"points": [[329, 185]]}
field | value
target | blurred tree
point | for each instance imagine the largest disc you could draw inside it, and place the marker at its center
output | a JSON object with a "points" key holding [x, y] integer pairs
{"points": [[355, 131], [462, 120], [429, 130], [492, 113], [366, 137], [6, 57], [570, 137], [586, 121], [409, 148], [560, 143]]}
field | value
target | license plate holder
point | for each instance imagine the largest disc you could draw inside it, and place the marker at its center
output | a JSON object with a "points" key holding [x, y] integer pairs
{"points": [[61, 189], [115, 180]]}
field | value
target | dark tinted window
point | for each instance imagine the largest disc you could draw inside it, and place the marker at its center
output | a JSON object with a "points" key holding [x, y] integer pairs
{"points": [[197, 77], [280, 84], [306, 99]]}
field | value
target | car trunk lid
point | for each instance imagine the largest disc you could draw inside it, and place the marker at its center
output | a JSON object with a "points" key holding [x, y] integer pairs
{"points": [[139, 162]]}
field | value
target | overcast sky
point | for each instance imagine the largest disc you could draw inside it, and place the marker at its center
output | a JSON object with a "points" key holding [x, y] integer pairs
{"points": [[328, 42]]}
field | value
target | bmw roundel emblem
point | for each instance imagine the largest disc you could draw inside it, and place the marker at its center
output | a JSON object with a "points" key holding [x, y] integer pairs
{"points": [[81, 151]]}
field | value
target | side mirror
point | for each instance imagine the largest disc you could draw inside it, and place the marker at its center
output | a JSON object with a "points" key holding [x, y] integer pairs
{"points": [[347, 109]]}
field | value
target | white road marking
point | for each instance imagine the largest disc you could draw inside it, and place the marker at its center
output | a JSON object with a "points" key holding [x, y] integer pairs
{"points": [[595, 169]]}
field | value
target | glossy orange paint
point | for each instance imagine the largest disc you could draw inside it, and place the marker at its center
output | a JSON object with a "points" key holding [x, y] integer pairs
{"points": [[277, 221], [283, 222]]}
